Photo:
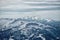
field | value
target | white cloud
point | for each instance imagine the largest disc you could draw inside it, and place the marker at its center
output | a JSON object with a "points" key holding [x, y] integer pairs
{"points": [[41, 0], [24, 4], [20, 4]]}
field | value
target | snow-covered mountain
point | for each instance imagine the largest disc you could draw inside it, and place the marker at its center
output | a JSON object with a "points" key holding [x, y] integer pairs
{"points": [[24, 29]]}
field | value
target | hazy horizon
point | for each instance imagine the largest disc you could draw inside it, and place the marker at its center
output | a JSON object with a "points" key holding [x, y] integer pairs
{"points": [[47, 9]]}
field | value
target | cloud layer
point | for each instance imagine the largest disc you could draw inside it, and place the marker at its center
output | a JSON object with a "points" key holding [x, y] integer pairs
{"points": [[44, 8]]}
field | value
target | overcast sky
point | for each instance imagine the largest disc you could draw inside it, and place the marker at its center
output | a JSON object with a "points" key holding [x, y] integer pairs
{"points": [[49, 9]]}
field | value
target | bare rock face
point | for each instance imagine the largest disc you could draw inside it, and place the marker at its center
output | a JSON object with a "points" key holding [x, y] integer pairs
{"points": [[19, 29]]}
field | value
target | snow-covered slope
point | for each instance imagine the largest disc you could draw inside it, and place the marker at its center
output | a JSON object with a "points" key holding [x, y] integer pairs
{"points": [[24, 29]]}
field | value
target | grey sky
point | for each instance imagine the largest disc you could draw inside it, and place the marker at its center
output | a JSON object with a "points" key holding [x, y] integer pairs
{"points": [[50, 9]]}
